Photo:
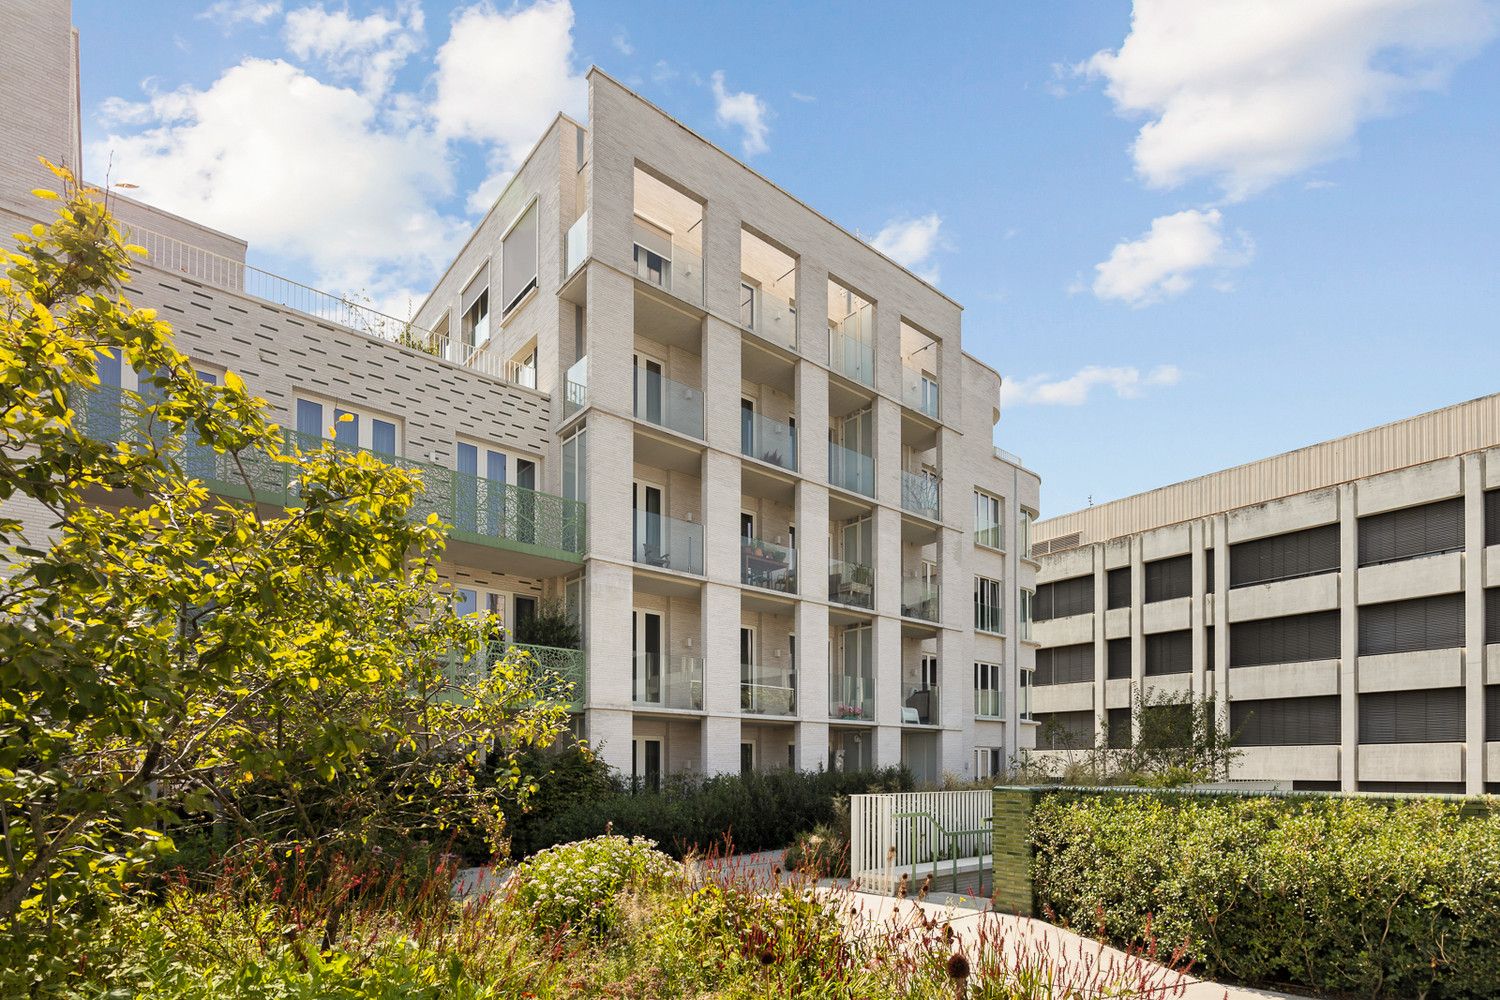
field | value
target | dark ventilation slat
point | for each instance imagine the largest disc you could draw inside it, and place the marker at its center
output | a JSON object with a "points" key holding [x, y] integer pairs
{"points": [[1118, 722], [1412, 532], [1064, 665], [1065, 730], [1422, 716], [1119, 659], [1063, 598], [1492, 615], [1408, 626], [1168, 579], [1169, 653], [1119, 588], [1208, 571], [1492, 713], [1289, 639], [1285, 722], [1208, 648], [1492, 517], [1285, 557]]}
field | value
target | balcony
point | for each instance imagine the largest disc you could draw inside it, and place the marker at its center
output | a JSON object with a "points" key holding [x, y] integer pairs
{"points": [[851, 697], [850, 470], [576, 387], [851, 583], [768, 440], [919, 392], [763, 564], [668, 543], [921, 707], [919, 599], [767, 691], [577, 247], [661, 681], [661, 401], [769, 317], [919, 494], [852, 358], [668, 264], [563, 672]]}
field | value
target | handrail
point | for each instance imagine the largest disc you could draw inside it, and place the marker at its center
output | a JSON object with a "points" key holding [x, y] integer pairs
{"points": [[951, 837]]}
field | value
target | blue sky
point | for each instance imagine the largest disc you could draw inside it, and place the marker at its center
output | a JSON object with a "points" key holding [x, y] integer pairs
{"points": [[1189, 234]]}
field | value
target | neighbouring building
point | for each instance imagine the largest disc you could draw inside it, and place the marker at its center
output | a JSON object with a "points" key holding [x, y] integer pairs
{"points": [[744, 448], [1340, 605]]}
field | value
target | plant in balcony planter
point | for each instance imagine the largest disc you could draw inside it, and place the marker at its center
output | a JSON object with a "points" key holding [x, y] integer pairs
{"points": [[774, 457], [850, 712]]}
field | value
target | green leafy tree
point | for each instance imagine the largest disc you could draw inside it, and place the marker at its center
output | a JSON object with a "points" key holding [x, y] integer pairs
{"points": [[166, 653]]}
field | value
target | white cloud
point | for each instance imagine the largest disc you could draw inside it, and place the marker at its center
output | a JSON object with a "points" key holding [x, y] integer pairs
{"points": [[232, 13], [797, 95], [1163, 261], [1126, 382], [621, 42], [369, 49], [298, 167], [742, 110], [912, 242], [1250, 92]]}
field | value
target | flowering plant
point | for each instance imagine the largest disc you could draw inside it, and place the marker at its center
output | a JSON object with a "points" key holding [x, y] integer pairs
{"points": [[578, 885]]}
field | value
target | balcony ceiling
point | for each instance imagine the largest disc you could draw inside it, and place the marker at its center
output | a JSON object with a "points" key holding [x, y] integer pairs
{"points": [[662, 317], [844, 506], [844, 398], [665, 450], [764, 366], [917, 530], [755, 602], [758, 481], [918, 432], [666, 584]]}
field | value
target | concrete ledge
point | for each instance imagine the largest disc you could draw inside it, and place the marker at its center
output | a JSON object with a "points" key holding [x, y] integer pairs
{"points": [[1420, 577], [1492, 762], [1117, 623], [1319, 763], [1411, 762], [1427, 668], [1492, 562], [1283, 680], [1169, 683], [1167, 616], [1063, 697], [1117, 693], [1492, 663], [1284, 597], [1064, 631]]}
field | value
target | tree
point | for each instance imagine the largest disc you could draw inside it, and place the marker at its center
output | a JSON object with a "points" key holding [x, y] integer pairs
{"points": [[164, 652]]}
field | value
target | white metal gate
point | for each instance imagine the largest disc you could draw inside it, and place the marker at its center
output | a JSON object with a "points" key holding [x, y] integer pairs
{"points": [[917, 834]]}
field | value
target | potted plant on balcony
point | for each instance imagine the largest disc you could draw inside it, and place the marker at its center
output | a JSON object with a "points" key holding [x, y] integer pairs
{"points": [[849, 711]]}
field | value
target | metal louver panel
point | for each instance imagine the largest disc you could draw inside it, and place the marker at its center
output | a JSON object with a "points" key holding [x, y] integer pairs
{"points": [[1492, 615], [1407, 626], [1492, 713], [1208, 571], [1117, 720], [1065, 730], [1063, 598], [1169, 653], [1278, 722], [1119, 659], [1492, 517], [1285, 557], [1167, 579], [1118, 586], [1411, 532], [1426, 716], [1290, 639], [1064, 664]]}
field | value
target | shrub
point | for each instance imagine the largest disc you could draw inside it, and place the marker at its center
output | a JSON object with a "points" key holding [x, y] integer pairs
{"points": [[822, 852], [1384, 898], [578, 886]]}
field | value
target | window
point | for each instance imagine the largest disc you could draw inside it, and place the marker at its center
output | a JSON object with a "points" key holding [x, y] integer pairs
{"points": [[1492, 615], [1023, 533], [988, 608], [989, 692], [1285, 557], [1117, 729], [1065, 664], [988, 523], [1412, 532], [747, 305], [1407, 626], [1281, 722], [1426, 716], [989, 762], [1118, 586], [1118, 652], [1169, 653], [1292, 639], [1492, 713], [1023, 615], [1492, 517], [363, 429], [1168, 579], [1208, 571], [1023, 693], [518, 258], [474, 324], [1063, 599], [1065, 731], [1208, 648]]}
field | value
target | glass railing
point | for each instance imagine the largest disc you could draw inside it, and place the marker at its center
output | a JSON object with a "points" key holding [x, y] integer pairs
{"points": [[919, 392], [674, 267], [919, 494], [661, 401], [851, 358], [578, 243], [668, 543], [988, 704], [767, 691], [763, 564], [851, 583], [919, 598], [768, 440], [990, 535], [851, 696], [851, 470], [662, 681], [921, 707], [576, 387], [770, 318]]}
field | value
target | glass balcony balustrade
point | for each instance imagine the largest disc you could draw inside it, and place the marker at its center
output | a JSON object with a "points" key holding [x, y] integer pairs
{"points": [[851, 357], [851, 696], [769, 440], [919, 392], [919, 598], [767, 690], [851, 583], [768, 316], [850, 470], [668, 543], [920, 493], [576, 387], [668, 264], [661, 401], [921, 707], [763, 564], [660, 680], [578, 243]]}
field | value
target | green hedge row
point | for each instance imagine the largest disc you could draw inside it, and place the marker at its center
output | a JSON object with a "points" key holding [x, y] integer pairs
{"points": [[1381, 898]]}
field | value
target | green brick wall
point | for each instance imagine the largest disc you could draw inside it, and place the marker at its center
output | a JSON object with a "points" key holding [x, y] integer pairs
{"points": [[1012, 848]]}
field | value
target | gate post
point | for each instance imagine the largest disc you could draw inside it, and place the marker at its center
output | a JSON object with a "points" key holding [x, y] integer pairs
{"points": [[1012, 853]]}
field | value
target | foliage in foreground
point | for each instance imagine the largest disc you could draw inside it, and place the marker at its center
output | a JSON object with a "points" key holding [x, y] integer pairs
{"points": [[698, 929], [1374, 897], [166, 654]]}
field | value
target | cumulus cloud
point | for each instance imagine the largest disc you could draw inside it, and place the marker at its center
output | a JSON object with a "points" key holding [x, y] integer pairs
{"points": [[1249, 92], [912, 243], [368, 49], [742, 110], [232, 13], [1163, 261], [1125, 382]]}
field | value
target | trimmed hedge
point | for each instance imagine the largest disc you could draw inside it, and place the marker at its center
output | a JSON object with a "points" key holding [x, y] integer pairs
{"points": [[1381, 898]]}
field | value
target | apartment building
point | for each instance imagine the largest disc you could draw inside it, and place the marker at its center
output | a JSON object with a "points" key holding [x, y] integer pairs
{"points": [[1339, 604], [744, 448]]}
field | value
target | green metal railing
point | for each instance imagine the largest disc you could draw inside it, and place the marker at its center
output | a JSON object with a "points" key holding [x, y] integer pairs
{"points": [[475, 508], [979, 839], [562, 674]]}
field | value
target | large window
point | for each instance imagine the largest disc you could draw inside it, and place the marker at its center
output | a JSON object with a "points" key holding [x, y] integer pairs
{"points": [[1117, 729], [1118, 587], [1279, 722], [1065, 664], [1118, 652], [518, 258], [989, 690], [1168, 579], [1426, 716], [1023, 615], [1065, 730], [474, 311], [1412, 532], [361, 429], [989, 522], [1291, 639], [1492, 615], [1285, 557], [1169, 653], [1063, 599], [1492, 517], [1023, 533], [1407, 626], [988, 606], [1023, 693]]}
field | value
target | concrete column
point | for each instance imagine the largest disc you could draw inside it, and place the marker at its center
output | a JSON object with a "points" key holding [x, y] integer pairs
{"points": [[812, 322], [1137, 631], [609, 734], [812, 745], [888, 452], [721, 263], [1196, 530], [608, 475], [1474, 637], [1101, 641], [720, 752], [812, 432], [721, 518], [611, 323], [955, 701], [812, 675], [1348, 638], [721, 651], [887, 538], [889, 695], [1221, 615], [722, 385], [608, 607]]}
